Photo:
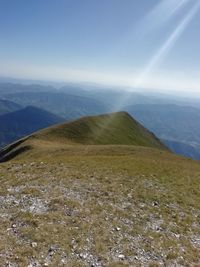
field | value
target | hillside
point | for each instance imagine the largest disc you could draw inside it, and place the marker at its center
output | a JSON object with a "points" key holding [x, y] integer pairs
{"points": [[108, 129], [73, 201], [23, 122], [8, 106]]}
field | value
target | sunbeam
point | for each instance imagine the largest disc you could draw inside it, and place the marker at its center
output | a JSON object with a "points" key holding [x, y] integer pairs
{"points": [[154, 20], [162, 52], [162, 13]]}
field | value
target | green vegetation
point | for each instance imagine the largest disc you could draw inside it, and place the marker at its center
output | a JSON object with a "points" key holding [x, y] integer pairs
{"points": [[109, 129], [73, 204]]}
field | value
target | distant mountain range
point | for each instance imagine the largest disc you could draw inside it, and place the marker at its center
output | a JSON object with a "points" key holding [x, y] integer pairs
{"points": [[180, 148], [7, 106], [62, 104], [23, 122], [171, 119], [97, 191], [9, 88], [177, 124]]}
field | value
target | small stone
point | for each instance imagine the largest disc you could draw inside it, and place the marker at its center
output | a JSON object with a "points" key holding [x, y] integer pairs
{"points": [[83, 256], [155, 203], [118, 229], [121, 257], [33, 244]]}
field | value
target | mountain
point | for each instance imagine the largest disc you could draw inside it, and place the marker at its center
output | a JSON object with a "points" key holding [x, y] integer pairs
{"points": [[8, 106], [62, 104], [23, 122], [11, 88], [110, 96], [170, 122], [180, 148], [107, 200], [108, 129]]}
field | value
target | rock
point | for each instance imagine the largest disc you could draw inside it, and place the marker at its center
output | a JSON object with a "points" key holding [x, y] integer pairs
{"points": [[155, 203], [34, 244], [121, 257], [83, 255], [51, 251]]}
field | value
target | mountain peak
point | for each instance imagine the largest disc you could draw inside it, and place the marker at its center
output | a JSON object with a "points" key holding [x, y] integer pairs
{"points": [[107, 129]]}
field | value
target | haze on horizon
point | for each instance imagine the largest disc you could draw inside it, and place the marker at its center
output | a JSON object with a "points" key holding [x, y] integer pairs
{"points": [[139, 44]]}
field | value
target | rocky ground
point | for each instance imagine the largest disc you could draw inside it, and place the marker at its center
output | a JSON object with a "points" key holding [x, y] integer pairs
{"points": [[91, 213]]}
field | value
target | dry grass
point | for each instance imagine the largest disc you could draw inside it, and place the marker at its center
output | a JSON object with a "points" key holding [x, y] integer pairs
{"points": [[75, 205]]}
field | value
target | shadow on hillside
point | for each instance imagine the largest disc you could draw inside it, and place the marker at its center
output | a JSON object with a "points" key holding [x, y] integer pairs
{"points": [[11, 151]]}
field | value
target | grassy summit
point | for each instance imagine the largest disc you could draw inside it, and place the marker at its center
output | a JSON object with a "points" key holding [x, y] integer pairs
{"points": [[108, 129]]}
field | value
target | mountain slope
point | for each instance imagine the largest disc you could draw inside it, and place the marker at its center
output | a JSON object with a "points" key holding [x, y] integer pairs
{"points": [[8, 106], [68, 203], [115, 128], [108, 129], [23, 122]]}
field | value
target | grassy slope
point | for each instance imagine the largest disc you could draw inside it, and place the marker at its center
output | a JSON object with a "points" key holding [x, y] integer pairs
{"points": [[109, 129], [94, 203], [99, 205]]}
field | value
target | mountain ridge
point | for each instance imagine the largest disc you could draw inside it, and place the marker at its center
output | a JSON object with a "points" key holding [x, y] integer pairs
{"points": [[107, 129]]}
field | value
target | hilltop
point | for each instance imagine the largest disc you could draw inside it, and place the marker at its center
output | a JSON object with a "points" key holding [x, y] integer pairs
{"points": [[108, 129]]}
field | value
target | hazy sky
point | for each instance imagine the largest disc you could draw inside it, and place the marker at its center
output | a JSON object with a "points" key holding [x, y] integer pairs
{"points": [[138, 43]]}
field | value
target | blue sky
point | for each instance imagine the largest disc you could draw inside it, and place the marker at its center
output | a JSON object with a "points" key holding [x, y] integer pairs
{"points": [[150, 44]]}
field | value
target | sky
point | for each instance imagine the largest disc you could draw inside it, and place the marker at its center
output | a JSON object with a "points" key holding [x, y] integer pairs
{"points": [[152, 45]]}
